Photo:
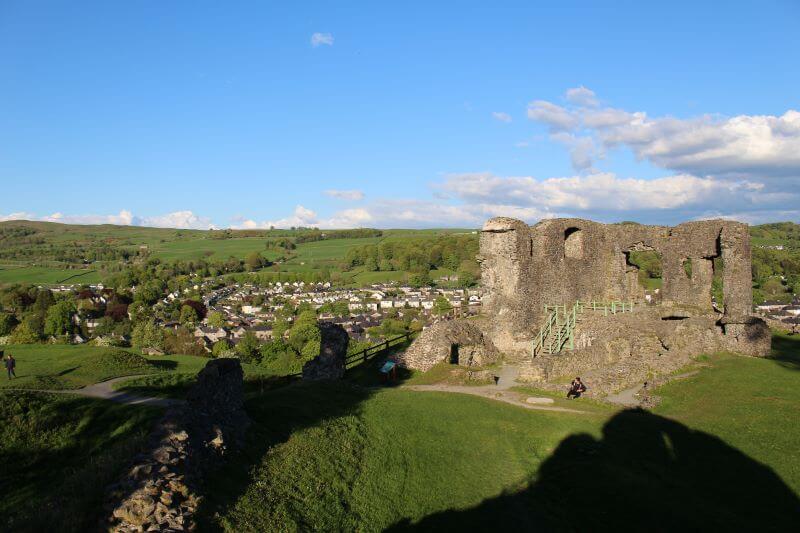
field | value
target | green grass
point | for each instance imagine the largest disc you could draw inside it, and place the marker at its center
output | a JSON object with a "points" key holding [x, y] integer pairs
{"points": [[58, 453], [54, 367], [211, 248], [46, 276], [720, 451]]}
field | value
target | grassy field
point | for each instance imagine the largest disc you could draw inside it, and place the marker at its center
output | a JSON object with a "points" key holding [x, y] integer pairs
{"points": [[54, 367], [174, 244], [719, 452], [46, 276], [211, 249]]}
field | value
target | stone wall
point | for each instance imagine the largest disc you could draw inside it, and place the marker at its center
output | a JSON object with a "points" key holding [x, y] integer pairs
{"points": [[330, 363], [462, 340], [163, 487], [559, 261]]}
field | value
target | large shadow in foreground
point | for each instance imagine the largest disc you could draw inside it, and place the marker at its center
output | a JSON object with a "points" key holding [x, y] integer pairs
{"points": [[647, 473], [277, 413]]}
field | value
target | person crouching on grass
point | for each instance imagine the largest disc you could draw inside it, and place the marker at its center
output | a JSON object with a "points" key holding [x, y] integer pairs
{"points": [[576, 389]]}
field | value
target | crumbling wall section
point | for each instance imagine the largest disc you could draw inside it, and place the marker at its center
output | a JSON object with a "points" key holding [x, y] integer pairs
{"points": [[436, 345], [330, 363], [162, 489]]}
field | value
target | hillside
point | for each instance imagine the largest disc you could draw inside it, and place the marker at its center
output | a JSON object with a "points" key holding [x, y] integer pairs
{"points": [[50, 253]]}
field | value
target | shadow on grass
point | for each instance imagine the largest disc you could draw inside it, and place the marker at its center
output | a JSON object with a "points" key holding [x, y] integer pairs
{"points": [[786, 350], [164, 364], [58, 454], [645, 473], [277, 413]]}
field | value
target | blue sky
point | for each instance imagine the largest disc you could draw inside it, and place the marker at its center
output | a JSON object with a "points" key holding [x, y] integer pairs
{"points": [[409, 114]]}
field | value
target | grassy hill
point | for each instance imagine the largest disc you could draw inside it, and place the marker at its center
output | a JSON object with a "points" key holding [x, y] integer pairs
{"points": [[51, 253]]}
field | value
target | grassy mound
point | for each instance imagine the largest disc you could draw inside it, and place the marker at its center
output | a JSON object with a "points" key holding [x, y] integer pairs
{"points": [[59, 452], [119, 363]]}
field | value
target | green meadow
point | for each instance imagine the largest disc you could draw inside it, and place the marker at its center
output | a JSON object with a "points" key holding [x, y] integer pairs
{"points": [[719, 451], [46, 276]]}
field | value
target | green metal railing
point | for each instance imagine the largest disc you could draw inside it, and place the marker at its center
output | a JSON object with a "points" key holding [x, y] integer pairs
{"points": [[560, 323]]}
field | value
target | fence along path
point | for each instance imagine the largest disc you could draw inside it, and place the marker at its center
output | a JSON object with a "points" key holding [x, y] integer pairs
{"points": [[366, 354]]}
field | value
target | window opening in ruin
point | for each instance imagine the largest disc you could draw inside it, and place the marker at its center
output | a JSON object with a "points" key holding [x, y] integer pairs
{"points": [[687, 267], [454, 354], [573, 243], [649, 265], [674, 317], [717, 268]]}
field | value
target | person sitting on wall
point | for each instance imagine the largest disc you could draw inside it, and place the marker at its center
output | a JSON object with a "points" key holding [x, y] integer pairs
{"points": [[576, 389]]}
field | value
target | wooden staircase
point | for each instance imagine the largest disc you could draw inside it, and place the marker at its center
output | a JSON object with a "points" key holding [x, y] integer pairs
{"points": [[558, 331]]}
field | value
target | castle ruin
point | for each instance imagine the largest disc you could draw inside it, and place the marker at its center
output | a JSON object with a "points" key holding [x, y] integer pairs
{"points": [[567, 269]]}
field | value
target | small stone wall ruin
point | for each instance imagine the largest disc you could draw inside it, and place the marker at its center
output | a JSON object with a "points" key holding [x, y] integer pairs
{"points": [[163, 487], [330, 363], [456, 341]]}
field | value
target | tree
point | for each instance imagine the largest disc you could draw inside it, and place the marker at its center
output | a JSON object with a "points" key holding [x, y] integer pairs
{"points": [[199, 308], [221, 347], [23, 334], [305, 337], [188, 316], [150, 292], [279, 327], [44, 299], [248, 348], [468, 273], [181, 341], [254, 261], [58, 320], [147, 335], [216, 319], [441, 306], [419, 278], [7, 323], [773, 287], [272, 350]]}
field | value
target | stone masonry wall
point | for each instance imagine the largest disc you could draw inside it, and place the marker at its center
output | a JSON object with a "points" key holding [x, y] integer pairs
{"points": [[559, 261], [163, 487]]}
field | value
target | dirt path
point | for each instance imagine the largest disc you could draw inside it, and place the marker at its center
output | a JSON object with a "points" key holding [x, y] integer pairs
{"points": [[628, 397], [496, 393], [105, 391]]}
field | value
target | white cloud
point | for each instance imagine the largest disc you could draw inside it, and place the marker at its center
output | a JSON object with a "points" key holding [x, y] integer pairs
{"points": [[555, 116], [740, 147], [318, 39], [350, 195], [502, 117], [602, 192], [582, 149], [17, 216], [581, 96], [177, 219]]}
